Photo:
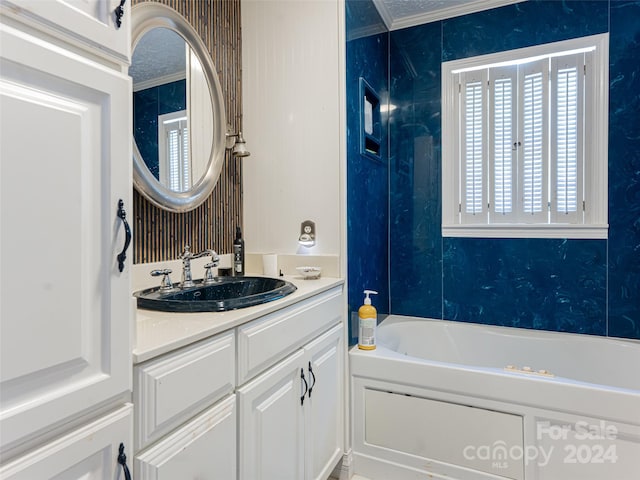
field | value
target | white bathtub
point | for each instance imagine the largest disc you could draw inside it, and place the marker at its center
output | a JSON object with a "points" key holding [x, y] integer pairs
{"points": [[451, 400]]}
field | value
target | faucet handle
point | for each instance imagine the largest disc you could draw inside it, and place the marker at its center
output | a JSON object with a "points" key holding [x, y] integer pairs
{"points": [[165, 283], [208, 274]]}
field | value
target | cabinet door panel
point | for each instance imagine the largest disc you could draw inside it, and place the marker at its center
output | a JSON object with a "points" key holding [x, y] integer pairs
{"points": [[173, 388], [204, 448], [272, 424], [89, 21], [324, 422], [64, 306], [90, 452]]}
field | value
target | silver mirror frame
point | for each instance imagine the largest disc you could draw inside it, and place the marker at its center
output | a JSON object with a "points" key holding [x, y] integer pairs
{"points": [[146, 16]]}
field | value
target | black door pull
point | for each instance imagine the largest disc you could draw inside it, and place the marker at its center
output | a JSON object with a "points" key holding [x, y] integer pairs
{"points": [[306, 386], [122, 256], [119, 12], [313, 377], [122, 460]]}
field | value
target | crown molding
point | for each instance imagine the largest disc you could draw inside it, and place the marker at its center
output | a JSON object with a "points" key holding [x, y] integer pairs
{"points": [[435, 15]]}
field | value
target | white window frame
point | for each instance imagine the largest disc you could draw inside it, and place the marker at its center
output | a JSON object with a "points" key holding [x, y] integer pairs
{"points": [[593, 222]]}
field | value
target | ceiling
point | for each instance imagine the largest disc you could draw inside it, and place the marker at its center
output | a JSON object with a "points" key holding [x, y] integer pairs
{"points": [[159, 57], [398, 14]]}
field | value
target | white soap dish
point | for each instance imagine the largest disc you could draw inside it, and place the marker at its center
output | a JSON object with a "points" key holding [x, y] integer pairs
{"points": [[309, 273]]}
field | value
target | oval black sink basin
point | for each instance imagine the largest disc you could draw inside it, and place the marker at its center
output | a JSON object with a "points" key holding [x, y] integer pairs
{"points": [[226, 293]]}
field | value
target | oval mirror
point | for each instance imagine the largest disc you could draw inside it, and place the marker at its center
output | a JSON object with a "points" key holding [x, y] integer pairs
{"points": [[179, 121]]}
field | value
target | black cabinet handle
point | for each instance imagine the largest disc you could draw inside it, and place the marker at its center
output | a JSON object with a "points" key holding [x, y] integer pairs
{"points": [[313, 377], [122, 460], [122, 256], [119, 12], [306, 386]]}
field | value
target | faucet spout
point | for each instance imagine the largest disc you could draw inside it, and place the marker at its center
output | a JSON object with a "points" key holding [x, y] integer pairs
{"points": [[187, 256]]}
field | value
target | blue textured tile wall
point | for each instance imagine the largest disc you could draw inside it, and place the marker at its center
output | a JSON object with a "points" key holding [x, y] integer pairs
{"points": [[545, 284], [522, 25], [585, 286], [367, 179], [147, 105], [531, 283], [624, 170], [415, 204]]}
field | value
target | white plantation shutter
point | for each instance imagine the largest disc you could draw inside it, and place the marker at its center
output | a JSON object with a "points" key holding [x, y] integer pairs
{"points": [[175, 165], [173, 151], [473, 147], [567, 127], [502, 153], [185, 161], [524, 142]]}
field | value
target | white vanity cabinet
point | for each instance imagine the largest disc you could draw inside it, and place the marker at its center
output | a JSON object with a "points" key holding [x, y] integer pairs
{"points": [[290, 416], [252, 394], [65, 319]]}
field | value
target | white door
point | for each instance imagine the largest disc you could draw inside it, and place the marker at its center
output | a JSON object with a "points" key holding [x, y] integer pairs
{"points": [[90, 21], [272, 424], [65, 161], [324, 414], [204, 448], [88, 453]]}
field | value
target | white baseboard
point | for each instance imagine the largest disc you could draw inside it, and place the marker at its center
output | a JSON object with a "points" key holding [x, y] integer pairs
{"points": [[344, 468]]}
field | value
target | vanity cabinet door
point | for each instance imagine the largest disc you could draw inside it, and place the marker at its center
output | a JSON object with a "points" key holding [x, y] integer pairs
{"points": [[283, 436], [271, 426], [324, 406], [92, 22], [204, 448], [65, 161]]}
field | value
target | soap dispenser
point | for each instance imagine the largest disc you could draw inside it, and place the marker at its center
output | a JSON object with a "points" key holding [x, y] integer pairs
{"points": [[238, 253], [368, 322]]}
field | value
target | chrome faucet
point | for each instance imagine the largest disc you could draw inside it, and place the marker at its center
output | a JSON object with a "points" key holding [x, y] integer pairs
{"points": [[186, 258]]}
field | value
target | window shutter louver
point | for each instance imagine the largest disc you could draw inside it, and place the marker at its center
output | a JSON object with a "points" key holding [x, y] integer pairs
{"points": [[174, 153], [474, 195], [567, 138], [533, 132], [185, 161], [503, 153]]}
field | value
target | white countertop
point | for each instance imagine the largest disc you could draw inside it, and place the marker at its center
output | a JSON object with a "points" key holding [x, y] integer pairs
{"points": [[162, 332]]}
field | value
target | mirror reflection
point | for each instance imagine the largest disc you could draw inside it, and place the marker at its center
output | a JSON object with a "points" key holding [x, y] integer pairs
{"points": [[172, 109]]}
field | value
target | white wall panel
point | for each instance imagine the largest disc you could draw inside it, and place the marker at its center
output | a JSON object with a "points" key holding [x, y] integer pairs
{"points": [[293, 85]]}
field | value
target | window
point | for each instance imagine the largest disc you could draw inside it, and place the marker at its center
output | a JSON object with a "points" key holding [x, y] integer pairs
{"points": [[175, 167], [525, 142]]}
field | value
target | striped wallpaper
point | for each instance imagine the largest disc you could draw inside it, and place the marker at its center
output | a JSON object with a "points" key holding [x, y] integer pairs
{"points": [[161, 235]]}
